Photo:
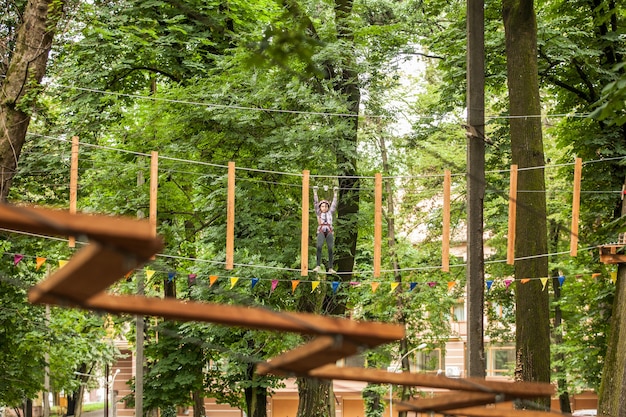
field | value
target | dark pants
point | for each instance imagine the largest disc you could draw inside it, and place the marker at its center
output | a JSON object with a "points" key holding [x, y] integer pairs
{"points": [[328, 238]]}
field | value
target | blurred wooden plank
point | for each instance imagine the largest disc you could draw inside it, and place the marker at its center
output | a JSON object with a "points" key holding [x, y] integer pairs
{"points": [[365, 333], [73, 183], [124, 233], [320, 351], [90, 271], [578, 168], [494, 412], [449, 401], [304, 236], [379, 376]]}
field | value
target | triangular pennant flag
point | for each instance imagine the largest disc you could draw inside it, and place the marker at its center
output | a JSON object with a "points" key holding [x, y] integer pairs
{"points": [[412, 286], [613, 277], [40, 262], [254, 282], [544, 281], [507, 283], [294, 285], [524, 280], [191, 279], [375, 286], [149, 273], [595, 275], [17, 258], [355, 283], [394, 285], [489, 284], [450, 285], [212, 279], [335, 285], [233, 281], [431, 284], [561, 280], [128, 275], [314, 285], [170, 276], [62, 263], [274, 285]]}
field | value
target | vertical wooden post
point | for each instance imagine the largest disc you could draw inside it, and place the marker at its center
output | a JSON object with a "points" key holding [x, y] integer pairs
{"points": [[304, 240], [73, 183], [578, 168], [230, 217], [510, 248], [378, 221], [154, 187], [445, 230]]}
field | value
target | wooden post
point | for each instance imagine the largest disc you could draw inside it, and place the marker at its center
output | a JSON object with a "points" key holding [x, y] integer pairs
{"points": [[378, 221], [578, 168], [304, 240], [510, 248], [154, 188], [73, 183], [445, 231], [230, 217]]}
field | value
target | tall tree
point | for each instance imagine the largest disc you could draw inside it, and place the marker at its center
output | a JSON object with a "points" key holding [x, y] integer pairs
{"points": [[23, 73], [532, 306]]}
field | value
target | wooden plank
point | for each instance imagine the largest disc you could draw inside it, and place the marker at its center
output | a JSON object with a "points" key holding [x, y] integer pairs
{"points": [[578, 167], [124, 233], [510, 246], [379, 376], [320, 351], [494, 412], [154, 189], [73, 184], [445, 231], [366, 333], [612, 258], [378, 221], [304, 238], [448, 401], [230, 217], [90, 271]]}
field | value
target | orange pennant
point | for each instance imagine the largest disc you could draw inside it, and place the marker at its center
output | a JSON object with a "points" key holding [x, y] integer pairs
{"points": [[450, 285], [375, 286], [294, 285], [40, 262], [524, 280], [212, 280]]}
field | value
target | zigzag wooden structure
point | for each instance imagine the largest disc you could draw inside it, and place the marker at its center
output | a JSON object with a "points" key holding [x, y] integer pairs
{"points": [[119, 245]]}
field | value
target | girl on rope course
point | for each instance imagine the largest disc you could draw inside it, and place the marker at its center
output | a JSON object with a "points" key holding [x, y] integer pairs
{"points": [[325, 211]]}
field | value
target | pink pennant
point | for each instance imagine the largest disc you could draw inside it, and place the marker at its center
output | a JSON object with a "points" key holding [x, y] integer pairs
{"points": [[17, 258], [274, 284], [507, 283]]}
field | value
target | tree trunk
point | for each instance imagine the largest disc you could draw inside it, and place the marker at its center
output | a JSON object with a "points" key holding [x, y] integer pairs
{"points": [[612, 393], [532, 304], [316, 398], [22, 80], [198, 404]]}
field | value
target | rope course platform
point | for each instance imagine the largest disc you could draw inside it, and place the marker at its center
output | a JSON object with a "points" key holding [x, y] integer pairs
{"points": [[119, 245]]}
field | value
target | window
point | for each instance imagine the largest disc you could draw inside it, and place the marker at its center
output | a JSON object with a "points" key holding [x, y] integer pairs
{"points": [[428, 361], [500, 360], [458, 312]]}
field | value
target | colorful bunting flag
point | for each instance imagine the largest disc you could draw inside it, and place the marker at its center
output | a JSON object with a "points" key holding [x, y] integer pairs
{"points": [[128, 275], [355, 283], [375, 286], [62, 263], [40, 262], [431, 284], [170, 276], [149, 273], [17, 258], [614, 277], [394, 285], [314, 285], [191, 279], [274, 285], [212, 279], [507, 283], [294, 285], [489, 284], [451, 285], [335, 285], [412, 286], [233, 281], [524, 280], [561, 280], [254, 282], [544, 281]]}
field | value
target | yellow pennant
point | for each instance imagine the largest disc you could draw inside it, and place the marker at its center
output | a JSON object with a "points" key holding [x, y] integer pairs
{"points": [[375, 286], [62, 263], [294, 285], [40, 262], [149, 273], [212, 280], [524, 280], [394, 285], [544, 281], [314, 285], [614, 277], [233, 281]]}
